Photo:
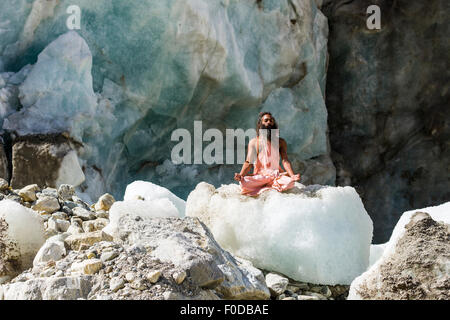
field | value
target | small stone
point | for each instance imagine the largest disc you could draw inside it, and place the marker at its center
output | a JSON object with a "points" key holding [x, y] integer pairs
{"points": [[50, 233], [65, 192], [108, 269], [106, 256], [91, 255], [58, 224], [315, 294], [116, 283], [76, 241], [288, 298], [293, 289], [288, 292], [276, 284], [88, 226], [138, 284], [46, 204], [129, 276], [4, 185], [46, 216], [28, 193], [90, 266], [50, 251], [59, 273], [153, 276], [80, 202], [170, 295], [102, 214], [62, 225], [84, 247], [94, 225], [60, 215], [325, 290], [51, 192], [76, 221], [316, 289], [74, 229], [70, 204], [47, 273], [179, 277], [62, 265], [304, 297], [67, 210], [300, 286], [339, 290], [104, 202], [83, 214], [14, 197]]}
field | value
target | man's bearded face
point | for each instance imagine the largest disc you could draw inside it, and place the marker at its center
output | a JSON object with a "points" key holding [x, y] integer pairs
{"points": [[268, 123]]}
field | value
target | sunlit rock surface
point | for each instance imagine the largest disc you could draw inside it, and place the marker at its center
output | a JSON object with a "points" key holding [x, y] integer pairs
{"points": [[415, 261], [313, 234], [158, 66]]}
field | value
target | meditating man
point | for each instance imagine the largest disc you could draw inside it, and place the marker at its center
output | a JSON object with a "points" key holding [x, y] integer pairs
{"points": [[264, 156]]}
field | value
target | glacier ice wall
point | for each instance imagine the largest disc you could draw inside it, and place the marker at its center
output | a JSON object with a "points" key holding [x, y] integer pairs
{"points": [[157, 66]]}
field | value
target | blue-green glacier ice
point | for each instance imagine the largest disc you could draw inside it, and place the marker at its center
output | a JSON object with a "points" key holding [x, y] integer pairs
{"points": [[136, 71]]}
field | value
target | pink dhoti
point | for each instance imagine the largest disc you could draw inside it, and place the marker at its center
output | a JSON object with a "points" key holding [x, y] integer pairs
{"points": [[258, 183]]}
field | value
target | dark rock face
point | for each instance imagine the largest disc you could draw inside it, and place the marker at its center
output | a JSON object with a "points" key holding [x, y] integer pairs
{"points": [[387, 98], [4, 170], [38, 159]]}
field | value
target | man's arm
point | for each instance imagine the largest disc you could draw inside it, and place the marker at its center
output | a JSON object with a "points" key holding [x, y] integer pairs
{"points": [[248, 164], [285, 161]]}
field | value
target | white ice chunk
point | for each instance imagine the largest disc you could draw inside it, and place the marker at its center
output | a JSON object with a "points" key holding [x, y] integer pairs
{"points": [[21, 236], [376, 251], [313, 234], [149, 191]]}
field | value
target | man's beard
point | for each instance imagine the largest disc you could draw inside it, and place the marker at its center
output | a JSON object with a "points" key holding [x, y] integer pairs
{"points": [[268, 131]]}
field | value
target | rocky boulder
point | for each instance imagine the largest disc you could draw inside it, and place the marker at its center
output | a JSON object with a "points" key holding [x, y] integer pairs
{"points": [[57, 288], [189, 246], [4, 164], [414, 266], [47, 160], [149, 257]]}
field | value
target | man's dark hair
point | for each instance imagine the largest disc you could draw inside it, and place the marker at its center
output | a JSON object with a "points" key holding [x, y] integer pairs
{"points": [[259, 123]]}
